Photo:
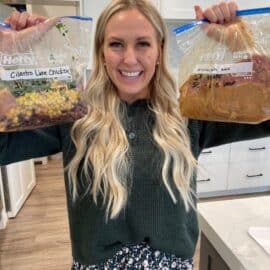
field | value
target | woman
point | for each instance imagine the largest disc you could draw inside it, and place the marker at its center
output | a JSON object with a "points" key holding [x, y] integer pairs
{"points": [[130, 178]]}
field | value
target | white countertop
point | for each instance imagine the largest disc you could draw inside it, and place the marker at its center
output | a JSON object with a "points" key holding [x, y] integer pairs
{"points": [[226, 223]]}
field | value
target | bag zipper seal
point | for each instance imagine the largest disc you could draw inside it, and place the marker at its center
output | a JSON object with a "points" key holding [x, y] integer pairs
{"points": [[8, 26], [243, 12]]}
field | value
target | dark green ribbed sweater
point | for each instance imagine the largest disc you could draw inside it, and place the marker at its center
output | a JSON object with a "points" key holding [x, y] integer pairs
{"points": [[150, 214]]}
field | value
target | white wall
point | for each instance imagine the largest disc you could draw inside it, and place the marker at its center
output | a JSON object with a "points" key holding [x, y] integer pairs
{"points": [[183, 9], [54, 10], [4, 11]]}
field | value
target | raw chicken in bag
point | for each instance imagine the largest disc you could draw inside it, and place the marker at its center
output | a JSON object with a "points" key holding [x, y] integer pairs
{"points": [[225, 69], [42, 73]]}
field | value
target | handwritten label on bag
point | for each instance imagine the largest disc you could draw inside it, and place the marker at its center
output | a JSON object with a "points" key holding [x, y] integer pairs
{"points": [[236, 68], [36, 73]]}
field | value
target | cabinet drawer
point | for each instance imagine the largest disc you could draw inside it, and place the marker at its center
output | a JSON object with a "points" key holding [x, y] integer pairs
{"points": [[250, 151], [210, 259], [248, 174], [214, 155], [212, 178], [20, 180]]}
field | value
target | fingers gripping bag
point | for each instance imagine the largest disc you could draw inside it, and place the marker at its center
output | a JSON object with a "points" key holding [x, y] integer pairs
{"points": [[42, 72], [224, 74]]}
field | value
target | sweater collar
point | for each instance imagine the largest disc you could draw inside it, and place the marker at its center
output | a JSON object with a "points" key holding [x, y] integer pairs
{"points": [[136, 103], [140, 109]]}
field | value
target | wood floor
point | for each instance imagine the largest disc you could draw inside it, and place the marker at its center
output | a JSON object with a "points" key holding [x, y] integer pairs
{"points": [[38, 238]]}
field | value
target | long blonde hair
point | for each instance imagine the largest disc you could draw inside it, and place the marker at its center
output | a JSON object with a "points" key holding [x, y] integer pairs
{"points": [[100, 138]]}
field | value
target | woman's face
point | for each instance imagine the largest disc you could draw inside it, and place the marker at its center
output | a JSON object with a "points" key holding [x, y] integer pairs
{"points": [[131, 53]]}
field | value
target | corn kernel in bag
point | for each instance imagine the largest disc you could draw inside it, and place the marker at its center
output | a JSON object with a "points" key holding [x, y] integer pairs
{"points": [[42, 71]]}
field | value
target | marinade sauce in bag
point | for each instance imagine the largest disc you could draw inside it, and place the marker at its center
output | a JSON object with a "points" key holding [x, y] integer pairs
{"points": [[42, 73], [225, 75]]}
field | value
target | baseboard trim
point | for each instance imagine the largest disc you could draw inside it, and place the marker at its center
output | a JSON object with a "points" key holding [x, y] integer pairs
{"points": [[3, 220]]}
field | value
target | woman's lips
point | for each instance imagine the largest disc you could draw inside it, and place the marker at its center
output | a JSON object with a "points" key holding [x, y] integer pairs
{"points": [[130, 75]]}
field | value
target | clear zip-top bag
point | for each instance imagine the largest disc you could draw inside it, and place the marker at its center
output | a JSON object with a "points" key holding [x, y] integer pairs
{"points": [[224, 74], [42, 73]]}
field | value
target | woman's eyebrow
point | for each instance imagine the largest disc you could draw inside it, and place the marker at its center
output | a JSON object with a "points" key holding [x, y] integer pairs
{"points": [[115, 37], [122, 40], [144, 38]]}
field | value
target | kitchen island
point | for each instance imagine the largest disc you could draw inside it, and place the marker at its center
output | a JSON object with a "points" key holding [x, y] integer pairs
{"points": [[225, 241]]}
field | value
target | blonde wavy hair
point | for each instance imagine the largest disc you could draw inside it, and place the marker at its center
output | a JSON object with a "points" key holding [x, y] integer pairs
{"points": [[100, 138]]}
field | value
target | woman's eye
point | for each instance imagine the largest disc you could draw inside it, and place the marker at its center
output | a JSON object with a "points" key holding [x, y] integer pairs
{"points": [[115, 44], [144, 44]]}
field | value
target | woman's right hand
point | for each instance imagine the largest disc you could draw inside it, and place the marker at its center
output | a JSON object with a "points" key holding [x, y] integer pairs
{"points": [[22, 20], [26, 30]]}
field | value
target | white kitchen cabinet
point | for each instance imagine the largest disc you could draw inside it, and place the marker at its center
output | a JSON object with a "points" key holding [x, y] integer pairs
{"points": [[3, 213], [212, 178], [241, 167], [215, 155], [251, 151], [249, 164], [245, 175], [212, 171], [182, 9], [20, 179]]}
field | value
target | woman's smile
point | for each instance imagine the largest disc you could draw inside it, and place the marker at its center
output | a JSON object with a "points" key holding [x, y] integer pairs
{"points": [[130, 76]]}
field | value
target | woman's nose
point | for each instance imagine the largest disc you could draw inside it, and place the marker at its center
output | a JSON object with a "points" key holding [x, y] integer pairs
{"points": [[130, 56]]}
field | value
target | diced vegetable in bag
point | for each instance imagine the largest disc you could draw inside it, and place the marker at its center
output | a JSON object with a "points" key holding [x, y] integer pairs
{"points": [[224, 74], [42, 73]]}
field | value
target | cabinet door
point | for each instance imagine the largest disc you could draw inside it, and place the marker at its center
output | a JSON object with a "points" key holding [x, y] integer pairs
{"points": [[213, 169], [210, 259], [3, 214], [182, 9], [248, 174], [21, 180], [250, 151], [28, 176], [249, 164], [215, 155], [212, 178]]}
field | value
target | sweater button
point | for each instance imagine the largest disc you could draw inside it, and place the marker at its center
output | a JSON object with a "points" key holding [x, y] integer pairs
{"points": [[131, 135]]}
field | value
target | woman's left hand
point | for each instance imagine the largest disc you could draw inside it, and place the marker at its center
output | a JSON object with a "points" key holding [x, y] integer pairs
{"points": [[224, 12], [225, 27]]}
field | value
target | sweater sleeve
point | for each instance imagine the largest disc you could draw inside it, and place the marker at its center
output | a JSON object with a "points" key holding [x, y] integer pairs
{"points": [[17, 146], [217, 133]]}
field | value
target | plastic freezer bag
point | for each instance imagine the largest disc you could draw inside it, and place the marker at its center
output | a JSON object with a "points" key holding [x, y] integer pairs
{"points": [[42, 72], [224, 74]]}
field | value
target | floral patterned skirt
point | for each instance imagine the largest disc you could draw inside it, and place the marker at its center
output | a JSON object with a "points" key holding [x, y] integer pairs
{"points": [[141, 257]]}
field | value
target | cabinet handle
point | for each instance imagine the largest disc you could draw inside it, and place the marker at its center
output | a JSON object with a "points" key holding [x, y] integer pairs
{"points": [[204, 180], [256, 148], [207, 152], [254, 175], [209, 262]]}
